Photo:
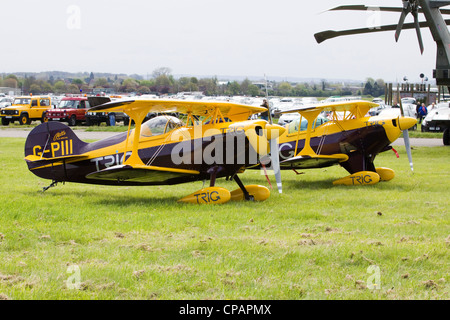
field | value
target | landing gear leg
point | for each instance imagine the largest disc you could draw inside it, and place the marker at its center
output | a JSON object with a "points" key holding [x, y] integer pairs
{"points": [[247, 196]]}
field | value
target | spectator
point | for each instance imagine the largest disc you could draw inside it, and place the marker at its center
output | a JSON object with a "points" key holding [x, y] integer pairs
{"points": [[422, 112], [265, 114]]}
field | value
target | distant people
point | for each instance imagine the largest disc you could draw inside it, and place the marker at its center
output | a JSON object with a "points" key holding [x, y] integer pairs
{"points": [[265, 115], [418, 110], [433, 105], [422, 112]]}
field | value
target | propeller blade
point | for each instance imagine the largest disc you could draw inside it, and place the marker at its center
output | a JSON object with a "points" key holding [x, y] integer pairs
{"points": [[275, 161], [406, 138], [408, 148], [417, 26]]}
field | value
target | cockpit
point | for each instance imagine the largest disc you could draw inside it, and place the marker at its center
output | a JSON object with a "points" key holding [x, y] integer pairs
{"points": [[160, 125], [294, 125]]}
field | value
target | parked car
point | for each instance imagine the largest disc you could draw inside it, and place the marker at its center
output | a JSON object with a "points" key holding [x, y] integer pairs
{"points": [[5, 102], [409, 100], [26, 109], [437, 119], [286, 118], [110, 118], [376, 110], [71, 110]]}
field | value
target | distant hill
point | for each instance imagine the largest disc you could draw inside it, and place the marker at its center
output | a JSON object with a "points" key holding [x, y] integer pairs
{"points": [[46, 75], [55, 75]]}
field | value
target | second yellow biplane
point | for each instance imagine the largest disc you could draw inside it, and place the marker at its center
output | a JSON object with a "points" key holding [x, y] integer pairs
{"points": [[342, 133], [214, 140]]}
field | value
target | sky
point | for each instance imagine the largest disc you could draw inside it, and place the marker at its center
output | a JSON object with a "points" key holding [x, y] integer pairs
{"points": [[247, 38]]}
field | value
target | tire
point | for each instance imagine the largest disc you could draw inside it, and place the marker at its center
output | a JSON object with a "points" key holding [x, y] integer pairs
{"points": [[126, 121], [5, 121], [44, 117], [24, 119], [446, 137], [72, 121]]}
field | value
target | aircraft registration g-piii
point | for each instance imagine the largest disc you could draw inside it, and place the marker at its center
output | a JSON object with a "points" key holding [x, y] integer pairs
{"points": [[342, 133], [214, 140]]}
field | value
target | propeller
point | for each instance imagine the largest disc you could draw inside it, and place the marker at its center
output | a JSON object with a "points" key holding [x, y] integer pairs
{"points": [[270, 134], [274, 156]]}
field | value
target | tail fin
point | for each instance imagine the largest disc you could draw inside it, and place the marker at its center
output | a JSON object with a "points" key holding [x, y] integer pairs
{"points": [[53, 141]]}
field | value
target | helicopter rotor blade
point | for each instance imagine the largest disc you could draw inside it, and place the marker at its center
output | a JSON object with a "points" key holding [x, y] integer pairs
{"points": [[377, 8], [417, 26], [405, 11], [359, 7], [329, 34]]}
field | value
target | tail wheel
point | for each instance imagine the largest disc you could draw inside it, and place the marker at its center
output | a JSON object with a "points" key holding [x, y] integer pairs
{"points": [[24, 119]]}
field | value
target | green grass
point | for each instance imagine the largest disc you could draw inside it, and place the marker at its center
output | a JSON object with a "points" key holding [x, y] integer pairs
{"points": [[314, 241]]}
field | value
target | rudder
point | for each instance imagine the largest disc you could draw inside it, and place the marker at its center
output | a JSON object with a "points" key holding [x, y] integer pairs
{"points": [[52, 140]]}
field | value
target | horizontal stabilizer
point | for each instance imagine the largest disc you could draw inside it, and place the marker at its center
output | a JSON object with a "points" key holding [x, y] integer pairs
{"points": [[141, 174], [313, 161]]}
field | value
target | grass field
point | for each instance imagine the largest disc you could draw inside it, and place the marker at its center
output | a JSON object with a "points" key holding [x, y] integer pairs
{"points": [[314, 241]]}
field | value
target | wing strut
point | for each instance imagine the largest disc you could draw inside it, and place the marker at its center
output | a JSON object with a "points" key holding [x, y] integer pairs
{"points": [[309, 115], [138, 115]]}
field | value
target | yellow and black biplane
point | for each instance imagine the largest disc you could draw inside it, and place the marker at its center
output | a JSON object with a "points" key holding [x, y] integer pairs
{"points": [[214, 140], [342, 133]]}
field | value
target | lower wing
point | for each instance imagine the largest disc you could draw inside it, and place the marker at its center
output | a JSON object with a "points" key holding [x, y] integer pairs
{"points": [[141, 174], [313, 161]]}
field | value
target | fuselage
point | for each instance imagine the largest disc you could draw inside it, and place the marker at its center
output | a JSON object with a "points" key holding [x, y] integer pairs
{"points": [[223, 148]]}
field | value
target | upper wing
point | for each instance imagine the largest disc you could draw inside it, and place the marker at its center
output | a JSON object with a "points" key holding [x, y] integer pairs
{"points": [[233, 111], [357, 108]]}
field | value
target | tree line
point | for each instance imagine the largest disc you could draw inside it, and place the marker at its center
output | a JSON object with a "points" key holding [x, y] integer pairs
{"points": [[163, 82]]}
